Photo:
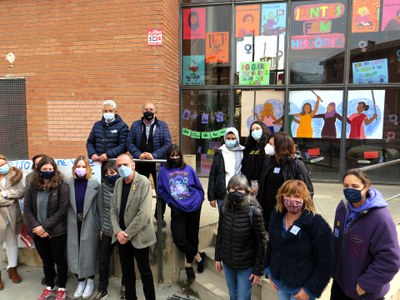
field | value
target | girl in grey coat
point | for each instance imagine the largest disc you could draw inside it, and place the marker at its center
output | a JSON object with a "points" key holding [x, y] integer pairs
{"points": [[83, 222]]}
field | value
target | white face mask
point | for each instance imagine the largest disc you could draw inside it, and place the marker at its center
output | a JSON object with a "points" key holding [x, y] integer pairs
{"points": [[269, 149], [109, 116]]}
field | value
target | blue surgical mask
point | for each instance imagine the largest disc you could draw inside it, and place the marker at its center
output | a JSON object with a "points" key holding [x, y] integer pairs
{"points": [[257, 134], [352, 195], [124, 171], [111, 179], [230, 143], [108, 116], [4, 169]]}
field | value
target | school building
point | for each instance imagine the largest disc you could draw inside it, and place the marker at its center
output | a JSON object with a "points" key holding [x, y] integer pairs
{"points": [[207, 65]]}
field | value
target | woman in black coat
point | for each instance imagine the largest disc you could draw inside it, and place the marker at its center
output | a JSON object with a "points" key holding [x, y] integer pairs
{"points": [[254, 154], [299, 259], [278, 168], [241, 239]]}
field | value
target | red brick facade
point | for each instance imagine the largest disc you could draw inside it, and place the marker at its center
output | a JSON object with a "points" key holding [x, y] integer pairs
{"points": [[75, 54]]}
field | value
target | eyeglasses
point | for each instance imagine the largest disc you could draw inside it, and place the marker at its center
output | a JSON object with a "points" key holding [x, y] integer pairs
{"points": [[297, 201]]}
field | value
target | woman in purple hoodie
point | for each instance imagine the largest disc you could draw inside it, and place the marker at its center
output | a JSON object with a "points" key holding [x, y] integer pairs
{"points": [[180, 187], [367, 252]]}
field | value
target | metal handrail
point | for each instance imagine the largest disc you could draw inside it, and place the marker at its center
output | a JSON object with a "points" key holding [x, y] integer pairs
{"points": [[381, 165]]}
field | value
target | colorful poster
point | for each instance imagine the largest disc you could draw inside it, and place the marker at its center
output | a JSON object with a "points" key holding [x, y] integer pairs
{"points": [[316, 26], [365, 113], [205, 164], [372, 71], [254, 73], [194, 23], [193, 70], [390, 15], [310, 117], [273, 19], [247, 20], [217, 47], [365, 16], [265, 106]]}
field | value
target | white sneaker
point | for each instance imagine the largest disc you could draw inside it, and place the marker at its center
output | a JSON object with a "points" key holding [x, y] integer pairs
{"points": [[88, 289], [79, 289]]}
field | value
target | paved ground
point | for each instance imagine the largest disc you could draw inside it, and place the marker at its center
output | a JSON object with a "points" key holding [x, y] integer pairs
{"points": [[327, 196]]}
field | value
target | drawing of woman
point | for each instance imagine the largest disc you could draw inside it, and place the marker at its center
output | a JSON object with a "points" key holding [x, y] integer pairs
{"points": [[267, 116], [329, 128], [363, 17], [357, 120], [305, 130]]}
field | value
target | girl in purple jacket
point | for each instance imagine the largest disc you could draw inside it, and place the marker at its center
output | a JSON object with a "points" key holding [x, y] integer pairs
{"points": [[367, 253], [180, 187]]}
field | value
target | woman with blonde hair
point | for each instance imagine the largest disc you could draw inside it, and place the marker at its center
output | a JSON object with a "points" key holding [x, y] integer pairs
{"points": [[84, 226], [299, 258], [11, 190], [267, 116]]}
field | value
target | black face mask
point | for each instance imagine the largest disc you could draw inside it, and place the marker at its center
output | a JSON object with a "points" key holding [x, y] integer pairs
{"points": [[148, 115], [235, 197], [111, 179], [46, 174], [174, 162]]}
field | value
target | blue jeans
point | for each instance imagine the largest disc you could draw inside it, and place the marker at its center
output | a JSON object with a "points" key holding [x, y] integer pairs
{"points": [[289, 296], [238, 282], [220, 203]]}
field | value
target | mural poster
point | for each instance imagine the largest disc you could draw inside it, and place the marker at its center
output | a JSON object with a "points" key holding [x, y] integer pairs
{"points": [[365, 114], [371, 71], [390, 15], [273, 19], [265, 106], [193, 70], [365, 16], [318, 26], [316, 114], [247, 20], [217, 47], [194, 23]]}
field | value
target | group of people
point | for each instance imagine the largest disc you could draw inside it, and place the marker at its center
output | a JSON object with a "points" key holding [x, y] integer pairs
{"points": [[268, 224]]}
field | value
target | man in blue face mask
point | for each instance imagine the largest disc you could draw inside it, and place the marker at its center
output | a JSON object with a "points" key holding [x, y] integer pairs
{"points": [[108, 136], [132, 227]]}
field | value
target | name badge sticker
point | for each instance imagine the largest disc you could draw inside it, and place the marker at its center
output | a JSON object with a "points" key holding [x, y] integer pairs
{"points": [[336, 232], [295, 229], [277, 170]]}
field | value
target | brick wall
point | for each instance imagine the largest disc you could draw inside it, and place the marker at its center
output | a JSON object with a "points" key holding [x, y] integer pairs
{"points": [[75, 54]]}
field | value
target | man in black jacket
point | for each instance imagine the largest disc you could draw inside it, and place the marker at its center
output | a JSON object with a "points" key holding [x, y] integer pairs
{"points": [[108, 136]]}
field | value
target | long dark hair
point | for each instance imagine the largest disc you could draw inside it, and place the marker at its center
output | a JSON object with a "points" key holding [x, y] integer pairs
{"points": [[39, 184], [359, 174], [284, 146], [174, 149], [252, 144]]}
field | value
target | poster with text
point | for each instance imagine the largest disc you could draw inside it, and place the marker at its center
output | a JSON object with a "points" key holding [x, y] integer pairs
{"points": [[310, 118], [318, 26], [273, 19], [217, 47], [244, 51], [265, 106], [247, 20], [371, 71], [390, 15], [365, 16], [254, 73], [193, 70], [365, 110], [194, 23]]}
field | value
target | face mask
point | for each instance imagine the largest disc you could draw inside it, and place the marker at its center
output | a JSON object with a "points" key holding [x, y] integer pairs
{"points": [[269, 149], [235, 197], [108, 116], [230, 143], [80, 172], [257, 134], [46, 174], [174, 162], [124, 171], [352, 195], [148, 115], [111, 179], [291, 207], [4, 169]]}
